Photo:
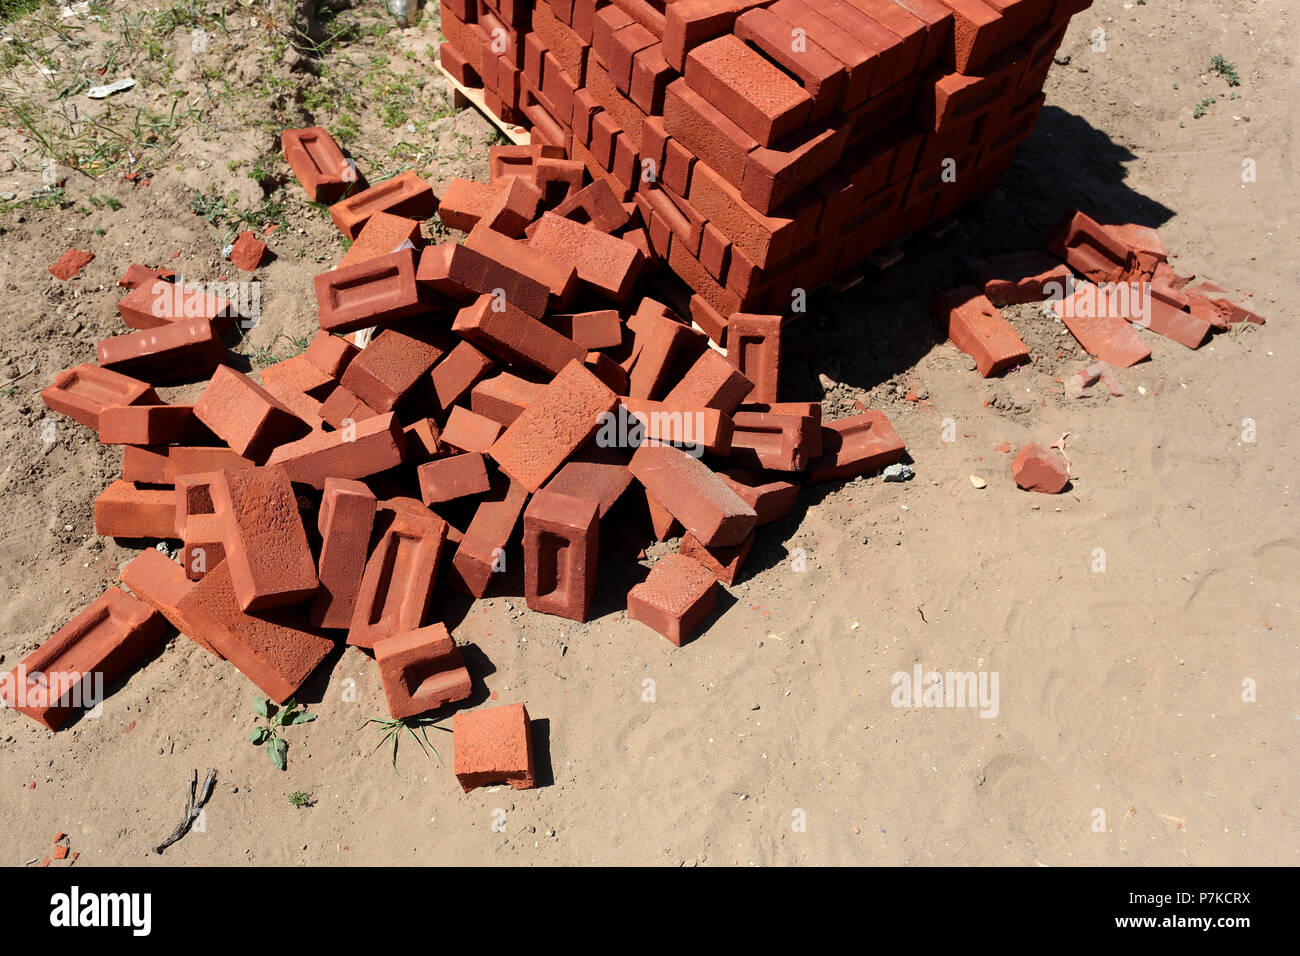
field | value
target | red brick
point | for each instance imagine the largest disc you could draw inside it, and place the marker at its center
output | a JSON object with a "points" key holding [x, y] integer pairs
{"points": [[54, 681], [606, 263], [703, 129], [820, 74], [406, 195], [456, 373], [400, 573], [1212, 299], [176, 352], [465, 202], [318, 163], [422, 441], [771, 496], [976, 28], [162, 466], [276, 650], [202, 546], [1037, 469], [693, 494], [782, 173], [493, 745], [561, 540], [692, 427], [343, 408], [421, 670], [1089, 248], [754, 347], [247, 252], [504, 397], [663, 345], [382, 234], [468, 431], [126, 510], [459, 271], [193, 496], [447, 479], [146, 424], [689, 23], [754, 93], [482, 550], [856, 445], [514, 160], [71, 263], [366, 448], [244, 415], [345, 520], [596, 205], [561, 420], [765, 240], [560, 278], [677, 595], [389, 367], [84, 392], [976, 326], [858, 59], [268, 558], [1102, 332], [161, 582], [774, 440], [599, 476], [712, 382], [723, 563], [375, 292], [515, 336], [159, 303], [602, 329], [137, 275], [1020, 277], [329, 353]]}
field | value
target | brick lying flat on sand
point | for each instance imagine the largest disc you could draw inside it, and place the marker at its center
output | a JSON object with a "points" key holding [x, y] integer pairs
{"points": [[856, 445], [493, 745], [674, 598], [82, 393], [421, 670], [975, 326]]}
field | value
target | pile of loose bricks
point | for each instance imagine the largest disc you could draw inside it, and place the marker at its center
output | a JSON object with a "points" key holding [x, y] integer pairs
{"points": [[767, 144], [460, 404]]}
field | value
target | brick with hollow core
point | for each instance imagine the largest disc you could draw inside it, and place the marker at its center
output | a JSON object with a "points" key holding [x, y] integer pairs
{"points": [[70, 669], [318, 163], [976, 326], [244, 415], [558, 423], [388, 368], [378, 291], [400, 573], [500, 329], [754, 347], [856, 445], [176, 352], [267, 554], [406, 195], [193, 496], [357, 451], [345, 520], [693, 494], [778, 441], [277, 650], [421, 670], [82, 393], [447, 479], [675, 597], [561, 541], [493, 745], [127, 510], [202, 547], [604, 262]]}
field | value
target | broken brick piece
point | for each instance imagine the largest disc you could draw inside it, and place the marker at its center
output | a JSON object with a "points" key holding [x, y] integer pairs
{"points": [[722, 563], [82, 393], [771, 496], [398, 581], [504, 397], [1021, 277], [345, 520], [269, 560], [677, 595], [1037, 469], [421, 670], [856, 445], [481, 552], [774, 440], [456, 374], [248, 251], [693, 494], [70, 670], [468, 431], [976, 326], [1096, 320], [561, 541], [71, 263], [247, 417], [493, 745], [560, 421]]}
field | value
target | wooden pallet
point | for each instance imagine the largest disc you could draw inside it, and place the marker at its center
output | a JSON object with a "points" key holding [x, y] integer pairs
{"points": [[463, 96]]}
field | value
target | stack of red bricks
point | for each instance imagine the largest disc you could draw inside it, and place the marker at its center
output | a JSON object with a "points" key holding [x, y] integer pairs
{"points": [[767, 144], [466, 410]]}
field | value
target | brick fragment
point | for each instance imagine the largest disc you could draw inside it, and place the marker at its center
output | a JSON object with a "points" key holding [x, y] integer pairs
{"points": [[468, 431], [400, 573], [976, 326], [1100, 328], [268, 558], [1021, 277], [1037, 469], [421, 670], [601, 329], [723, 563], [70, 669], [594, 205], [345, 520], [503, 397], [771, 496], [247, 252], [493, 745], [777, 441], [561, 541], [677, 595], [71, 263]]}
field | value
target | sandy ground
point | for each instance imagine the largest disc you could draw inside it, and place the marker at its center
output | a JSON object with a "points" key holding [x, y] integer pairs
{"points": [[1120, 736]]}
